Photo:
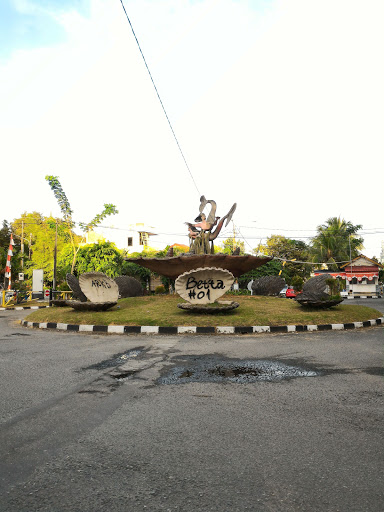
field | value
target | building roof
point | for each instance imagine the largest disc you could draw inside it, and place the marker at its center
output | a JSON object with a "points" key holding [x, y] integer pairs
{"points": [[181, 246], [361, 256]]}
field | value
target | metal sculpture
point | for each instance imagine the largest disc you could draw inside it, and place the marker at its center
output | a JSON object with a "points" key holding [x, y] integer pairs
{"points": [[201, 234]]}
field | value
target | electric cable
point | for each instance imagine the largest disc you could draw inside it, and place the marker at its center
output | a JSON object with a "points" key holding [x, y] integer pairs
{"points": [[158, 95]]}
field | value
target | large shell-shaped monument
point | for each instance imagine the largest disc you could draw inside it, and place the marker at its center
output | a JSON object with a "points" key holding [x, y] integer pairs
{"points": [[201, 234]]}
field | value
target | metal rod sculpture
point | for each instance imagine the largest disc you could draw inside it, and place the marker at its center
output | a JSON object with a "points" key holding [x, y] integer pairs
{"points": [[201, 234]]}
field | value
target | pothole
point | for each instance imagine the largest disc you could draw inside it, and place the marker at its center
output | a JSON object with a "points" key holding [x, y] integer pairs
{"points": [[115, 360], [123, 376], [238, 371], [17, 334]]}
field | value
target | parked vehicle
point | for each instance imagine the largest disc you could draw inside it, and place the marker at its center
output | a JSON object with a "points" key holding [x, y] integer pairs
{"points": [[282, 292], [290, 293]]}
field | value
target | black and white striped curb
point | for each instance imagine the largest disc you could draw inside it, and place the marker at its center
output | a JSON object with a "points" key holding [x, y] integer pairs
{"points": [[151, 329], [364, 297], [18, 308]]}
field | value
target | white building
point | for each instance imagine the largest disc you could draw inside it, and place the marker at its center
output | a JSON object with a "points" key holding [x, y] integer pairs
{"points": [[135, 238]]}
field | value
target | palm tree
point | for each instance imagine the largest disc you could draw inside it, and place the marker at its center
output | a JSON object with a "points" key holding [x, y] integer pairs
{"points": [[336, 242]]}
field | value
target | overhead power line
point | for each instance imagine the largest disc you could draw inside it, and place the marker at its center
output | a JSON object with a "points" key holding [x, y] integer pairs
{"points": [[158, 95]]}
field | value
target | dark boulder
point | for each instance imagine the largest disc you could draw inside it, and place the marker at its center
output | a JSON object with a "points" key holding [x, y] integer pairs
{"points": [[268, 285], [316, 293], [129, 286]]}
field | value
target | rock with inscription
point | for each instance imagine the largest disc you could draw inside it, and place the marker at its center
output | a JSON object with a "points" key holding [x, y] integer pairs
{"points": [[268, 285], [129, 286], [74, 285], [98, 287], [204, 285]]}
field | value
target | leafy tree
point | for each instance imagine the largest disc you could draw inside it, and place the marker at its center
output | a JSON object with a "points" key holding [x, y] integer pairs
{"points": [[271, 268], [39, 234], [288, 249], [336, 242], [109, 209], [229, 245], [140, 273], [101, 257]]}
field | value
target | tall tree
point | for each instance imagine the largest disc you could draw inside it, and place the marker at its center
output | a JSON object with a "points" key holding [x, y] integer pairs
{"points": [[288, 249], [38, 234], [66, 210], [336, 242]]}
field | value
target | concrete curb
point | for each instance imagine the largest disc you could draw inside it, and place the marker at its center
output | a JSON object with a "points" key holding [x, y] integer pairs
{"points": [[18, 308], [151, 329], [364, 297]]}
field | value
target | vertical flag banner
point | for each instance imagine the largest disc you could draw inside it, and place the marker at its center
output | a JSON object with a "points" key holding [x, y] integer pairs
{"points": [[8, 265]]}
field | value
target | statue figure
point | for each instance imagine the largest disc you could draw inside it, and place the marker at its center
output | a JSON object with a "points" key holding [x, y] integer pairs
{"points": [[200, 234]]}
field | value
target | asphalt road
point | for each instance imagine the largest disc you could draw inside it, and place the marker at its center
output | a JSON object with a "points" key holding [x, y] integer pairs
{"points": [[86, 425]]}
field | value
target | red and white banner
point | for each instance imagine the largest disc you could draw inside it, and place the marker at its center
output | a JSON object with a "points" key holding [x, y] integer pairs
{"points": [[8, 266]]}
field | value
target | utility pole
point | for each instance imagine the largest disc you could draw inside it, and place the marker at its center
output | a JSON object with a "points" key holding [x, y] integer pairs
{"points": [[22, 245]]}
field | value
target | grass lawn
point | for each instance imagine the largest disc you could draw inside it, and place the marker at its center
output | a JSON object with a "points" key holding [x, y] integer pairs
{"points": [[163, 311]]}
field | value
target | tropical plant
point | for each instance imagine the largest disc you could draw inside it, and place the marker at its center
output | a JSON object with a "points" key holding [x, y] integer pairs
{"points": [[101, 257], [109, 209], [336, 243]]}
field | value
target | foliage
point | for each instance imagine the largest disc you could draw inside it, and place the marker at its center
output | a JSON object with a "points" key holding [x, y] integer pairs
{"points": [[109, 209], [138, 272], [271, 268], [61, 198], [288, 249], [336, 243], [39, 233], [160, 289], [229, 245], [297, 283], [335, 286], [101, 257]]}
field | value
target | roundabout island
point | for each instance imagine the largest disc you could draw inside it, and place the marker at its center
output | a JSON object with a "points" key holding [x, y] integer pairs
{"points": [[203, 280], [160, 315]]}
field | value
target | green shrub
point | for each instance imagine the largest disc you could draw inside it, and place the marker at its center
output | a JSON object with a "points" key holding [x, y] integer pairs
{"points": [[160, 289], [297, 283]]}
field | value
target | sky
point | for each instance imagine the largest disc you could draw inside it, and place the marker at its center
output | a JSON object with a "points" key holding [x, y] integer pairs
{"points": [[276, 105]]}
